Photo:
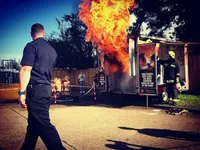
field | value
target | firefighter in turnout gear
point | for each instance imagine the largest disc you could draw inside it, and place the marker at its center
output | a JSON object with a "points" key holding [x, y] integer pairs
{"points": [[171, 75]]}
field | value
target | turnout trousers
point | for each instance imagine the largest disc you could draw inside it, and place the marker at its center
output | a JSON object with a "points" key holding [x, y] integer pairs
{"points": [[171, 90], [38, 103]]}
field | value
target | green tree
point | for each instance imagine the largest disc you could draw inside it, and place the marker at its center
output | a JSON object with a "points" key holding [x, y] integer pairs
{"points": [[160, 15], [73, 51]]}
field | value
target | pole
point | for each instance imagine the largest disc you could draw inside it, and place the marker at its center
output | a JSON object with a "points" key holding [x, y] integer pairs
{"points": [[98, 59], [94, 92], [147, 101], [55, 97]]}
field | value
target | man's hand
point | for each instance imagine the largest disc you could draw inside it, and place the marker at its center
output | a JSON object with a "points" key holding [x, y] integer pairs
{"points": [[178, 87], [157, 58], [177, 80], [22, 101]]}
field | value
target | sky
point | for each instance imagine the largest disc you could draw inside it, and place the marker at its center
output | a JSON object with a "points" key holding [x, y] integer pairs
{"points": [[17, 17]]}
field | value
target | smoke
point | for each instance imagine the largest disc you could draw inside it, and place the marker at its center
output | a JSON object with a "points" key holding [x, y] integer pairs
{"points": [[126, 82]]}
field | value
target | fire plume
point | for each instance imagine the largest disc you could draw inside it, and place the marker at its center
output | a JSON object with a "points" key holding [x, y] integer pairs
{"points": [[107, 22]]}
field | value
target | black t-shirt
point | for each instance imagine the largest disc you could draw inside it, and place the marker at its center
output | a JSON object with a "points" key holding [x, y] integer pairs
{"points": [[41, 56]]}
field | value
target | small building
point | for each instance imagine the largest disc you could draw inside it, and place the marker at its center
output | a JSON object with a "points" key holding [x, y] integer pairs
{"points": [[9, 76], [8, 72]]}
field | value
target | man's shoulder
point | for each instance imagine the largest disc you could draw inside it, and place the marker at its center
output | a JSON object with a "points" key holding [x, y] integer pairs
{"points": [[42, 43], [29, 45], [39, 41]]}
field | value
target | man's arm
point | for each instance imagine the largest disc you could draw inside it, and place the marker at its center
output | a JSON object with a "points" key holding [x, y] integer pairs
{"points": [[84, 77], [177, 73], [79, 76], [27, 62], [160, 61], [24, 77]]}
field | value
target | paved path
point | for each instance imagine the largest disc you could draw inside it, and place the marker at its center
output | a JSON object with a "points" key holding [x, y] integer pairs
{"points": [[101, 127]]}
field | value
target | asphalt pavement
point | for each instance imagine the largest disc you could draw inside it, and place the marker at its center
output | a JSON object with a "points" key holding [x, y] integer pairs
{"points": [[105, 124]]}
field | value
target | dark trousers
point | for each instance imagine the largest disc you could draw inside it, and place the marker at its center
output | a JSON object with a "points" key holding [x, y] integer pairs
{"points": [[38, 103], [81, 86], [171, 90]]}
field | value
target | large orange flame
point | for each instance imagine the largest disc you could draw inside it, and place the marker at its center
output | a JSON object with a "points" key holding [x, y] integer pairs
{"points": [[107, 22]]}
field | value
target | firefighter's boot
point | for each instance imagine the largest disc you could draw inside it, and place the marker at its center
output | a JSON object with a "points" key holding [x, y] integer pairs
{"points": [[170, 101], [176, 100]]}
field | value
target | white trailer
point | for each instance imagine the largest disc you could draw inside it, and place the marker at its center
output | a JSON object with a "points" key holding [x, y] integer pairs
{"points": [[127, 83]]}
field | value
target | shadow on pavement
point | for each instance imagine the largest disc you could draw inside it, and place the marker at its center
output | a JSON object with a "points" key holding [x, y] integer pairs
{"points": [[114, 100], [108, 100], [127, 146], [111, 100], [8, 101], [170, 134]]}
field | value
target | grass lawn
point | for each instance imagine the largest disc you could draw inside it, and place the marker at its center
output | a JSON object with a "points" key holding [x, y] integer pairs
{"points": [[189, 101]]}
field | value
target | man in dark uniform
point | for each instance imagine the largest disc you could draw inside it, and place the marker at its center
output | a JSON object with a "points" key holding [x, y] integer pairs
{"points": [[171, 75], [35, 75]]}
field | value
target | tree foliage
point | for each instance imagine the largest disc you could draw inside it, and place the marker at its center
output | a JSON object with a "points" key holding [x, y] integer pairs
{"points": [[160, 15], [73, 51]]}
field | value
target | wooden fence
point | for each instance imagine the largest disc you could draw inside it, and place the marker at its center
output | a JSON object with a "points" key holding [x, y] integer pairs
{"points": [[73, 75], [194, 73]]}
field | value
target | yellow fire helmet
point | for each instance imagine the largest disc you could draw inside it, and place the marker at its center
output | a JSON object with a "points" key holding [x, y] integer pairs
{"points": [[172, 54]]}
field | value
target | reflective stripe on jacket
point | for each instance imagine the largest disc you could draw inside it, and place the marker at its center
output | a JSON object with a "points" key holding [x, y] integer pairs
{"points": [[171, 70]]}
